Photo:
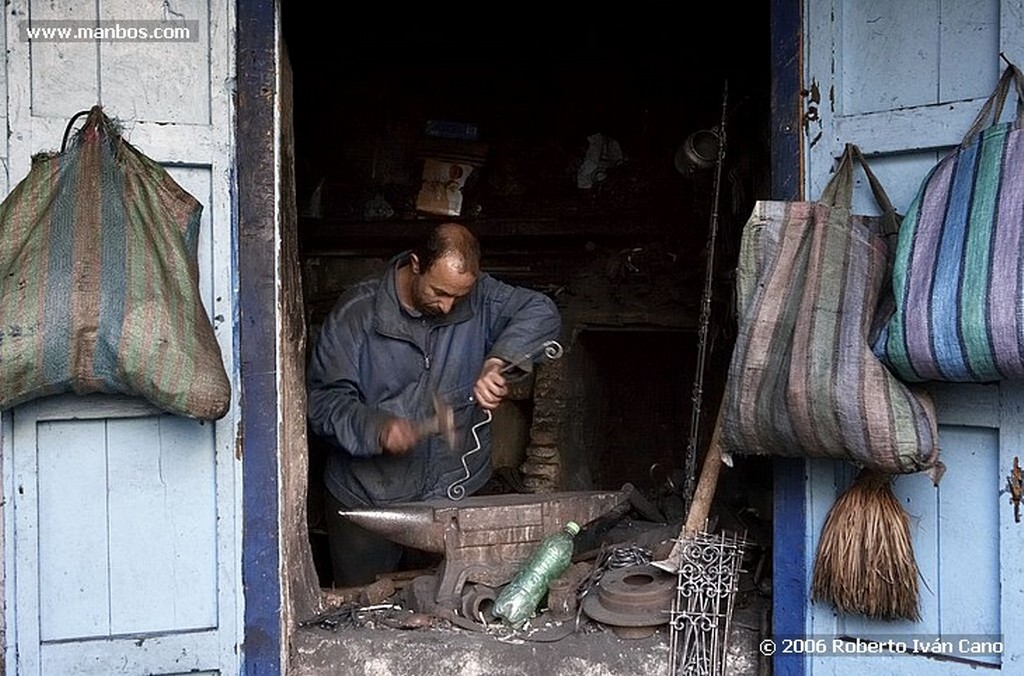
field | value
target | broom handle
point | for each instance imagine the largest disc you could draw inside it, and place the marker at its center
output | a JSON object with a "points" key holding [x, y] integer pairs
{"points": [[700, 506], [697, 517]]}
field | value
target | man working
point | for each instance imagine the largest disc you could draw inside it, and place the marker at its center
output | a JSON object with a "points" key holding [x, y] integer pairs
{"points": [[432, 325]]}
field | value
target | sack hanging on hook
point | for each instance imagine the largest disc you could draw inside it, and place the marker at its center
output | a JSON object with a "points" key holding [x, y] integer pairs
{"points": [[958, 273], [99, 281], [803, 380]]}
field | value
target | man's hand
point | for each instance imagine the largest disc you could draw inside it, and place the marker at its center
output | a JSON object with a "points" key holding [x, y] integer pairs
{"points": [[397, 436], [490, 387]]}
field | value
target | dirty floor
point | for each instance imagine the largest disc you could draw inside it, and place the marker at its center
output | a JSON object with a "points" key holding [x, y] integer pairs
{"points": [[383, 634], [373, 646]]}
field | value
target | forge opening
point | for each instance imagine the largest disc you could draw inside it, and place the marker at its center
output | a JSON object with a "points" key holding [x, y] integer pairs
{"points": [[629, 412]]}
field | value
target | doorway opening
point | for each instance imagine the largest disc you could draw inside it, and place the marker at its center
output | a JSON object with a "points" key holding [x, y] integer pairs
{"points": [[588, 148]]}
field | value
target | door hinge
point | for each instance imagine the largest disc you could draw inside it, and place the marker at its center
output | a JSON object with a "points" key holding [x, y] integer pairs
{"points": [[1015, 485]]}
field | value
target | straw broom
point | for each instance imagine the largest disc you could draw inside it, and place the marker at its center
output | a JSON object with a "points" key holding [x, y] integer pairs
{"points": [[865, 561]]}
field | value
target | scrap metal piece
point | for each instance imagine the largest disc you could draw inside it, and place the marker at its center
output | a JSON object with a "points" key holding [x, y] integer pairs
{"points": [[478, 603], [638, 598], [420, 596]]}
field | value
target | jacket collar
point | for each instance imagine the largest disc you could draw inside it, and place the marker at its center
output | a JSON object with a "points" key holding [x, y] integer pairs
{"points": [[392, 320]]}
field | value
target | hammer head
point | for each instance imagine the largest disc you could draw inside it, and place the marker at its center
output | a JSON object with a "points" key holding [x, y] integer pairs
{"points": [[441, 423], [445, 421]]}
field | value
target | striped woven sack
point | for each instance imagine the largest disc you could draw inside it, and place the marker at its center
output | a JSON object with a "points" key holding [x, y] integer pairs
{"points": [[99, 281], [802, 380], [958, 272]]}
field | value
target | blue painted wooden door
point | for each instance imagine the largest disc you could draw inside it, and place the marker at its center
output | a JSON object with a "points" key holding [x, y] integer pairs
{"points": [[121, 538], [115, 560], [903, 80]]}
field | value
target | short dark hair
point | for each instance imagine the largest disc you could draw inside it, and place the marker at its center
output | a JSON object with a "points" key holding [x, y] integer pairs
{"points": [[450, 239]]}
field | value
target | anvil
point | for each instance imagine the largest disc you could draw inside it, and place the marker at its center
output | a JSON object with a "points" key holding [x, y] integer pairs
{"points": [[484, 539]]}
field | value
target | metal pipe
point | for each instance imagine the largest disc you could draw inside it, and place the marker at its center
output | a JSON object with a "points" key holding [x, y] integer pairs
{"points": [[705, 314]]}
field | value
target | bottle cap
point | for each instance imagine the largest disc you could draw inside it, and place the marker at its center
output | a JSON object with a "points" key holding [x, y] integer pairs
{"points": [[572, 527]]}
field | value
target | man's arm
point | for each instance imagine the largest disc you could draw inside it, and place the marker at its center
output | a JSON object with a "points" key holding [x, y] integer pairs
{"points": [[521, 321], [338, 414], [336, 405], [491, 386]]}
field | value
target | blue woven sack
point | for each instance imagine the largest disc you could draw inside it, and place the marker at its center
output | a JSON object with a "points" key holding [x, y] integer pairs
{"points": [[958, 272]]}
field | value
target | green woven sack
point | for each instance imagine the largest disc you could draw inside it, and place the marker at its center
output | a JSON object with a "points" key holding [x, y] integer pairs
{"points": [[802, 380], [99, 281]]}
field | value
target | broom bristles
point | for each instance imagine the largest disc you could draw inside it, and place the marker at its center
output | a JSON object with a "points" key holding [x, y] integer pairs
{"points": [[865, 561]]}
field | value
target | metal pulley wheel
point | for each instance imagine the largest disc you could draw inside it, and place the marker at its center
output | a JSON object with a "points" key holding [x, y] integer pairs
{"points": [[634, 600]]}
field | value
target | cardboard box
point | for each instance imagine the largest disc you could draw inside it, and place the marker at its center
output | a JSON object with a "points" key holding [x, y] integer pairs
{"points": [[441, 190]]}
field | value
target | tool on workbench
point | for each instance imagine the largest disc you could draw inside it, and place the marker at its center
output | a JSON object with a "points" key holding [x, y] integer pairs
{"points": [[551, 350]]}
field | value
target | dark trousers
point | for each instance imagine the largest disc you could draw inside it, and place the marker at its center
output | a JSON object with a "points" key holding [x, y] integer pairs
{"points": [[357, 555]]}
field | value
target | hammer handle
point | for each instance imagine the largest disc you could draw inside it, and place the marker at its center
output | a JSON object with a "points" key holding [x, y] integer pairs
{"points": [[428, 427]]}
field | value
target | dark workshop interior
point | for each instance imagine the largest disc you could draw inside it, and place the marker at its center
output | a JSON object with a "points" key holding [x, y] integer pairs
{"points": [[585, 156]]}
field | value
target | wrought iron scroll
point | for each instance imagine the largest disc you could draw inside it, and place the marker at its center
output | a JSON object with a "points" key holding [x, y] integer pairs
{"points": [[709, 571]]}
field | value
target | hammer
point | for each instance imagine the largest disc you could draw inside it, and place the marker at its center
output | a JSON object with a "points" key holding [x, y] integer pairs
{"points": [[441, 423]]}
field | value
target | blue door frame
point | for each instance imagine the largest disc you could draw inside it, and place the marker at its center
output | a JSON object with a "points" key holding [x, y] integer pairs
{"points": [[789, 548], [256, 235], [255, 215]]}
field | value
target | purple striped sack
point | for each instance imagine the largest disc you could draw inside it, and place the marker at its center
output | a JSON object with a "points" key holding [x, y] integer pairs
{"points": [[99, 282], [958, 273], [802, 380]]}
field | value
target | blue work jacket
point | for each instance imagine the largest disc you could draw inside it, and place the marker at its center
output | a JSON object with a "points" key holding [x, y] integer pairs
{"points": [[373, 359]]}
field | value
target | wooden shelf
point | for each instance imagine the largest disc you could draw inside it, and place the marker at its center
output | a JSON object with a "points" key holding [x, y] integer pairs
{"points": [[338, 237]]}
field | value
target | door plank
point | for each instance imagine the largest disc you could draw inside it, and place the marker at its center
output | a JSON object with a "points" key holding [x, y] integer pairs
{"points": [[148, 656], [1011, 532], [969, 532], [871, 43], [73, 545], [162, 525], [171, 82], [72, 80], [966, 28]]}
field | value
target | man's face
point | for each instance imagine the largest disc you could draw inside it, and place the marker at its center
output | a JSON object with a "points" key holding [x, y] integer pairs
{"points": [[435, 291]]}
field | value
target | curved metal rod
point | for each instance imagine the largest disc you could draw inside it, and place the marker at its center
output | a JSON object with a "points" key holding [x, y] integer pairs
{"points": [[551, 349], [457, 491]]}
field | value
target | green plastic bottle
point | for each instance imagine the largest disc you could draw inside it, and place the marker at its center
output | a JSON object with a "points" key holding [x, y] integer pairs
{"points": [[518, 600]]}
